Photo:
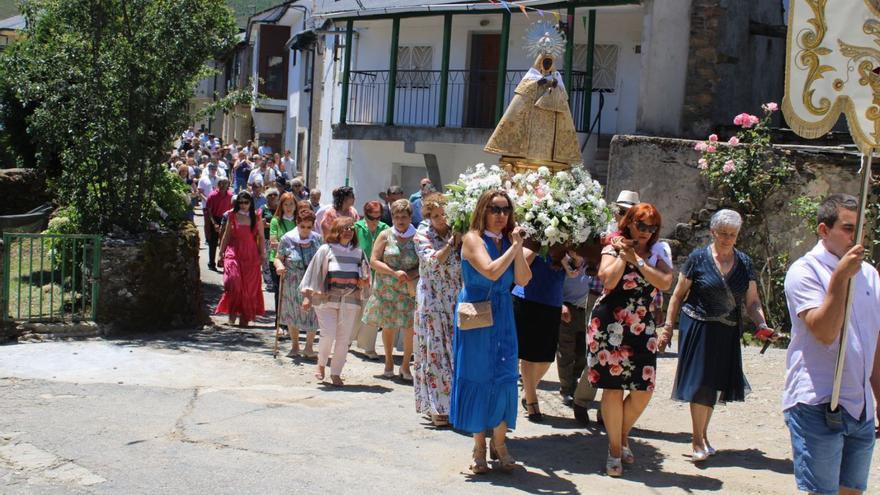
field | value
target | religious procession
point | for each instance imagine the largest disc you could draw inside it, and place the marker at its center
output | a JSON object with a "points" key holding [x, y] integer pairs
{"points": [[538, 252]]}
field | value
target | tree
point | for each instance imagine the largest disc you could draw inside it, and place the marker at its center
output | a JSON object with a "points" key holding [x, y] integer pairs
{"points": [[103, 86]]}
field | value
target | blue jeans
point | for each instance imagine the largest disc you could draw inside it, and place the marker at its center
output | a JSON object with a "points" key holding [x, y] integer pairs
{"points": [[825, 460]]}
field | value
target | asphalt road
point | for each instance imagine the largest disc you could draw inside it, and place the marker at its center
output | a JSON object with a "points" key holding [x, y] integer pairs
{"points": [[212, 411]]}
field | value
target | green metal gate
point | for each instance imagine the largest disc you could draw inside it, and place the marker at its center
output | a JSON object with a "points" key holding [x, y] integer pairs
{"points": [[50, 277]]}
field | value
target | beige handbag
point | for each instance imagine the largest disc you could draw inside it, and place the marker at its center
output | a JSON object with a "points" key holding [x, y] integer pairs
{"points": [[473, 315]]}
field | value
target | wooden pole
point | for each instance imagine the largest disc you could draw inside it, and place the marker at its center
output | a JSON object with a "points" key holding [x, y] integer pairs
{"points": [[346, 72], [392, 73], [444, 71]]}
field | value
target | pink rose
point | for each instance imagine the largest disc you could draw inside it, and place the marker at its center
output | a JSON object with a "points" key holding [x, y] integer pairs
{"points": [[652, 344], [641, 311], [713, 138], [629, 285], [615, 370], [594, 347], [701, 146], [711, 149], [753, 120], [770, 107], [728, 166], [637, 329], [594, 324], [594, 376], [648, 374], [702, 164], [615, 358], [733, 141], [745, 120], [626, 352], [603, 356]]}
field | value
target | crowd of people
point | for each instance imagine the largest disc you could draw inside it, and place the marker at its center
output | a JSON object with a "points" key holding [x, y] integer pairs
{"points": [[481, 314]]}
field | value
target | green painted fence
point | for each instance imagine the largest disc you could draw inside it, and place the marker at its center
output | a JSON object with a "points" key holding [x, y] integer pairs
{"points": [[50, 277]]}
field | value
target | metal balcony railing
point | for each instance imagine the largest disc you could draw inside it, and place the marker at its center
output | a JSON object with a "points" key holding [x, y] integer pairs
{"points": [[470, 100]]}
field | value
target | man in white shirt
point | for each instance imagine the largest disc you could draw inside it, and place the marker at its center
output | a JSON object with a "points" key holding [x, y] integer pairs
{"points": [[208, 182], [289, 165], [262, 172], [832, 449], [265, 149]]}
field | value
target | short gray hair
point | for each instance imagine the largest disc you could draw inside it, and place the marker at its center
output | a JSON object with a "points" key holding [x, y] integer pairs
{"points": [[728, 218]]}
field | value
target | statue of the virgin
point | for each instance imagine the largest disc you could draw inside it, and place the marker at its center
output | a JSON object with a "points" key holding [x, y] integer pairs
{"points": [[537, 127]]}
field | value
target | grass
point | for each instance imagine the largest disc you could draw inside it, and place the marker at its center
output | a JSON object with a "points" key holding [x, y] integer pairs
{"points": [[35, 289]]}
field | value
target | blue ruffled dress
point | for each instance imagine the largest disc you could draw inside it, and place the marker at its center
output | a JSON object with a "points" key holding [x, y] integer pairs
{"points": [[484, 382]]}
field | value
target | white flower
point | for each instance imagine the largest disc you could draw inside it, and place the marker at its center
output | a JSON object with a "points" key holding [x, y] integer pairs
{"points": [[615, 339], [615, 328]]}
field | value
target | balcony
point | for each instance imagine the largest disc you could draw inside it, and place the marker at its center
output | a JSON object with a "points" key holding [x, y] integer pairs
{"points": [[470, 99]]}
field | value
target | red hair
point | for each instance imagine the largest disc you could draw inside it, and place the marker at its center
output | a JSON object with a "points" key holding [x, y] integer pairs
{"points": [[640, 213]]}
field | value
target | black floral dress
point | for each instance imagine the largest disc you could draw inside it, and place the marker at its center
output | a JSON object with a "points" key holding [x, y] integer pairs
{"points": [[622, 337]]}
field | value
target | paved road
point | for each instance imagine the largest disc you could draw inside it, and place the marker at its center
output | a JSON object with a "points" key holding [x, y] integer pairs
{"points": [[213, 412]]}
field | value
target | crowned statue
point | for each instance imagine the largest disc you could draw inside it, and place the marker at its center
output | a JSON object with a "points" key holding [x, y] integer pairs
{"points": [[537, 128]]}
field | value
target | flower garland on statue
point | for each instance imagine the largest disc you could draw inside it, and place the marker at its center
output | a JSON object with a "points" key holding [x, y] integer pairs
{"points": [[565, 208]]}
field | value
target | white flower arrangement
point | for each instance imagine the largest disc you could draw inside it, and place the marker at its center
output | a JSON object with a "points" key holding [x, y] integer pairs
{"points": [[562, 208], [462, 196]]}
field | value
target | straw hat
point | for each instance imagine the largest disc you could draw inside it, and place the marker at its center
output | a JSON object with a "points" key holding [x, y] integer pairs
{"points": [[627, 199]]}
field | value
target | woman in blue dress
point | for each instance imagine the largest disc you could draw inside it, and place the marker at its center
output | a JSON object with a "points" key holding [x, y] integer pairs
{"points": [[715, 282], [484, 382]]}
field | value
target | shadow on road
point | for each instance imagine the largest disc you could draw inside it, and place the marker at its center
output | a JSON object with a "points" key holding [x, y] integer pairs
{"points": [[371, 389], [748, 459]]}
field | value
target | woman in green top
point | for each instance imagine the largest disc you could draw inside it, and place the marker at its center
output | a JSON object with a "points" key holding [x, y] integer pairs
{"points": [[267, 211], [283, 221], [367, 230]]}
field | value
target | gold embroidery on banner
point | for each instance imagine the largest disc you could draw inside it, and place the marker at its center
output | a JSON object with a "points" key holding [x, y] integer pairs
{"points": [[810, 43], [868, 61], [874, 6]]}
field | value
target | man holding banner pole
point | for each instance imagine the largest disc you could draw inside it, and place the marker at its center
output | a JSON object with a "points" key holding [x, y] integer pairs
{"points": [[832, 444]]}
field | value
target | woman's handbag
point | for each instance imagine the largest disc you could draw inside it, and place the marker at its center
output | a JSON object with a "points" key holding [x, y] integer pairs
{"points": [[473, 315]]}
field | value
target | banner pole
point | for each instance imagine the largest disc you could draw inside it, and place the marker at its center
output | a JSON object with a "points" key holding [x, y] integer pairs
{"points": [[859, 238]]}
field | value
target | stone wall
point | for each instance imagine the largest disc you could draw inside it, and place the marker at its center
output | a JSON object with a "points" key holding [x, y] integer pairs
{"points": [[664, 172], [735, 62], [151, 282], [22, 190]]}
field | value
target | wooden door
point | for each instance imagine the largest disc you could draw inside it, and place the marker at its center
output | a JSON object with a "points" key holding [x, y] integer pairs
{"points": [[482, 80]]}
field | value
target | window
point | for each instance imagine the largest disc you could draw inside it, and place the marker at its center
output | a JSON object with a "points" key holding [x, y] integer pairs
{"points": [[275, 76], [604, 65], [414, 65]]}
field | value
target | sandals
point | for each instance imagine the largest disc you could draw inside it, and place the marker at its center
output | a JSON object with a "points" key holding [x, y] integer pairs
{"points": [[294, 353], [627, 455], [336, 380], [503, 460], [699, 455], [406, 376], [532, 411], [320, 373], [440, 420], [613, 466], [480, 466]]}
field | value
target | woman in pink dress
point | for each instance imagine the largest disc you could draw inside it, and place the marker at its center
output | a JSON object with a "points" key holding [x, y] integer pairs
{"points": [[242, 249]]}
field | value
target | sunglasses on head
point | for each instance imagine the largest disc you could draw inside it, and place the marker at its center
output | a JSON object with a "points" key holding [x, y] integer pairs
{"points": [[649, 229], [500, 210]]}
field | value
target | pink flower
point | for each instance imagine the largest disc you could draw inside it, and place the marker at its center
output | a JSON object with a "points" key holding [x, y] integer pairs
{"points": [[700, 146], [702, 164], [733, 141], [648, 374], [594, 347], [652, 344], [641, 311], [615, 358], [728, 166], [637, 329], [770, 107], [603, 356], [745, 120], [615, 370], [626, 352], [594, 324], [710, 149], [713, 138], [594, 376]]}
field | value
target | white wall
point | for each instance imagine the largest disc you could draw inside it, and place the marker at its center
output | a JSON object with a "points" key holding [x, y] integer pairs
{"points": [[666, 34]]}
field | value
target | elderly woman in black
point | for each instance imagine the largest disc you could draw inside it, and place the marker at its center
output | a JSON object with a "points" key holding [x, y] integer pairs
{"points": [[714, 282]]}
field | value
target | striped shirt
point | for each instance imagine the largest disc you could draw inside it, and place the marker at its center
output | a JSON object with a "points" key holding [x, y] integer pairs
{"points": [[344, 268]]}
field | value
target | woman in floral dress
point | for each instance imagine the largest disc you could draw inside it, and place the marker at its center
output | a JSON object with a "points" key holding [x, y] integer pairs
{"points": [[392, 300], [622, 336], [295, 251], [439, 283]]}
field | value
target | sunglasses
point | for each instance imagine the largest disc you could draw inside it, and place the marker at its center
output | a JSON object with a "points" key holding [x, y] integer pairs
{"points": [[500, 210], [649, 229], [350, 228]]}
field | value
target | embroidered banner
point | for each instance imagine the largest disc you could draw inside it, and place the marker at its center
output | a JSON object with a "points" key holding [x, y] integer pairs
{"points": [[833, 67]]}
